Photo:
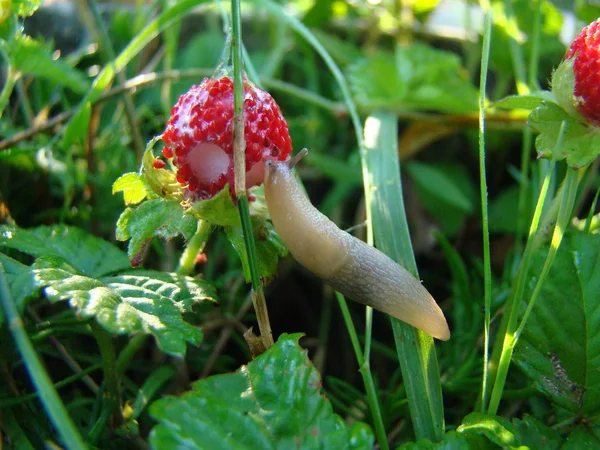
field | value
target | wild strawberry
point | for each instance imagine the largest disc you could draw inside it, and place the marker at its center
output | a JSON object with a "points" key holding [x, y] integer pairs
{"points": [[159, 164], [576, 82], [199, 136]]}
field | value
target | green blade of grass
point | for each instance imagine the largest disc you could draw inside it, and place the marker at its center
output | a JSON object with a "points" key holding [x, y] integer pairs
{"points": [[52, 403], [487, 267], [415, 349]]}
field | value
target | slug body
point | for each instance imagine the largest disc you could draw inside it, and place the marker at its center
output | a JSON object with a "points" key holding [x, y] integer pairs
{"points": [[346, 263]]}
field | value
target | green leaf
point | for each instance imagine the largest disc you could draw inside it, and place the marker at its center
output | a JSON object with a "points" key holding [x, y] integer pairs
{"points": [[436, 181], [504, 209], [581, 438], [133, 187], [153, 218], [529, 101], [560, 346], [32, 58], [273, 402], [534, 434], [20, 282], [218, 210], [580, 144], [269, 247], [78, 127], [90, 255], [135, 302], [418, 77], [25, 8], [497, 429]]}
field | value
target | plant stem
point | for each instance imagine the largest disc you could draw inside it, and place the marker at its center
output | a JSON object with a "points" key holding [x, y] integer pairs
{"points": [[239, 162], [127, 354], [52, 403], [111, 392], [196, 244], [365, 371], [487, 269], [569, 193]]}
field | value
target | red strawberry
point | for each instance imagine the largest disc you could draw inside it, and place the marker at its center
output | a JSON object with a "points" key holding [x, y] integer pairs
{"points": [[576, 82], [199, 136]]}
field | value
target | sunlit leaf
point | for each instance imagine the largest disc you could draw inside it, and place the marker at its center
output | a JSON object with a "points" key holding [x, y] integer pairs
{"points": [[133, 188], [135, 302], [273, 402], [91, 256]]}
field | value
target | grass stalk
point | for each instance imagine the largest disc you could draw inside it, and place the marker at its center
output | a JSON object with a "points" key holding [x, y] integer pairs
{"points": [[55, 408], [365, 372], [487, 269], [239, 146]]}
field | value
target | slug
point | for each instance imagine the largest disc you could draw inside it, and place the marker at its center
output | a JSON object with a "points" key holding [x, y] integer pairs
{"points": [[350, 266]]}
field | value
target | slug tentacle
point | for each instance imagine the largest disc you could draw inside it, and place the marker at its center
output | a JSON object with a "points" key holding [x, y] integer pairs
{"points": [[350, 266]]}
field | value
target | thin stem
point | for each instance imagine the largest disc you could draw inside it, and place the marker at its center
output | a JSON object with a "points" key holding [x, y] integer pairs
{"points": [[365, 371], [564, 216], [111, 390], [127, 354], [588, 222], [196, 244], [515, 50], [512, 308], [239, 146], [55, 408]]}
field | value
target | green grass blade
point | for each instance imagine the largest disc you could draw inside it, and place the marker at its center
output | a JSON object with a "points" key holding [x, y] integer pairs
{"points": [[487, 267], [415, 349], [52, 403]]}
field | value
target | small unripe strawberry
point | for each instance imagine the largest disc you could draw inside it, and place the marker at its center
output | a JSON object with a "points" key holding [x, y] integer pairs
{"points": [[576, 82], [199, 136]]}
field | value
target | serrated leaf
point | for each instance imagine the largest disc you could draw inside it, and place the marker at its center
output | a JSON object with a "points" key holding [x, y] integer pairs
{"points": [[153, 218], [418, 77], [273, 402], [32, 58], [137, 302], [529, 101], [133, 187], [580, 144], [91, 256], [560, 346], [269, 247], [219, 210]]}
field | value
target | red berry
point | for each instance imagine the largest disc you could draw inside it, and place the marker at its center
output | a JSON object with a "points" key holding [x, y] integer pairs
{"points": [[585, 52], [159, 164], [200, 135]]}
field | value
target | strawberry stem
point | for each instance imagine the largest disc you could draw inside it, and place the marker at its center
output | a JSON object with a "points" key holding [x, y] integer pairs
{"points": [[239, 163]]}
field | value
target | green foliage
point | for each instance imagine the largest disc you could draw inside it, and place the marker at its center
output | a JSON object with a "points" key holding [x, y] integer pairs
{"points": [[73, 265], [273, 402], [556, 351], [32, 58], [416, 77], [153, 218], [580, 144]]}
